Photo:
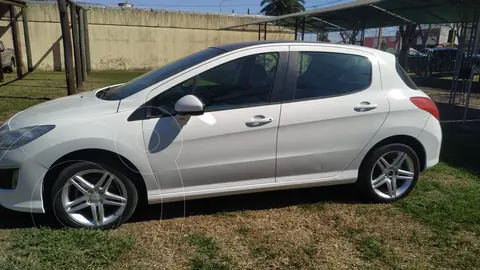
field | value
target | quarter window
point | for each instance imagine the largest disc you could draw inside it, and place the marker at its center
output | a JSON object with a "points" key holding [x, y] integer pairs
{"points": [[322, 74], [404, 76], [243, 82]]}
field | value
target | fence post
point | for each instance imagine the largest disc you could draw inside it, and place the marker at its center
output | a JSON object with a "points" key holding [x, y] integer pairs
{"points": [[16, 41], [76, 46], [82, 43], [67, 45], [87, 40], [26, 34]]}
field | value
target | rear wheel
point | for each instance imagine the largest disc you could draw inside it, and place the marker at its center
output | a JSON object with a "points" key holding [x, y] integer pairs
{"points": [[93, 195], [389, 173]]}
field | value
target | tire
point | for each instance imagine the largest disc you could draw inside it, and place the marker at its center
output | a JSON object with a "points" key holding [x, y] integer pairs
{"points": [[371, 171], [116, 197], [11, 67]]}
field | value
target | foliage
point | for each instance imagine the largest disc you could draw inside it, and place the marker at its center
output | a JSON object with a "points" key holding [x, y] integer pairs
{"points": [[384, 46], [350, 36], [323, 37], [281, 7]]}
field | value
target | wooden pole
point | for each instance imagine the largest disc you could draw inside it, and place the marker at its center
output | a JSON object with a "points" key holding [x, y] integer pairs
{"points": [[26, 34], [379, 45], [265, 32], [259, 30], [82, 44], [67, 45], [76, 46], [16, 42], [2, 77], [87, 40]]}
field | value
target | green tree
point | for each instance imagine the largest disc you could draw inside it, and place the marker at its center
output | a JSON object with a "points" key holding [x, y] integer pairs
{"points": [[384, 46], [281, 7]]}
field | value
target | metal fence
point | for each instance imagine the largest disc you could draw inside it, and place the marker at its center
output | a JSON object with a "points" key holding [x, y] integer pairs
{"points": [[441, 64]]}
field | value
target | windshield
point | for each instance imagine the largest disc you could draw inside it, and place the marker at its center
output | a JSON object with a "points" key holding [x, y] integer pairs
{"points": [[136, 85]]}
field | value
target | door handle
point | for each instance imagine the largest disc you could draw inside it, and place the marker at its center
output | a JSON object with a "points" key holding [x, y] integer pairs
{"points": [[365, 106], [259, 120]]}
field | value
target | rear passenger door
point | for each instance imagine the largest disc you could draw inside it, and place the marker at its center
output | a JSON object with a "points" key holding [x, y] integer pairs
{"points": [[334, 106]]}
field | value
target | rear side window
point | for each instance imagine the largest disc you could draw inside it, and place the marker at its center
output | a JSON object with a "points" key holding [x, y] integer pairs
{"points": [[405, 78], [321, 74]]}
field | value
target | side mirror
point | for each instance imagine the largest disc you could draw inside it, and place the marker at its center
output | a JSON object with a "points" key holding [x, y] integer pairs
{"points": [[189, 105]]}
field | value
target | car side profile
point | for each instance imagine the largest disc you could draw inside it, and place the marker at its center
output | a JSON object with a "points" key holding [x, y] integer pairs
{"points": [[237, 118]]}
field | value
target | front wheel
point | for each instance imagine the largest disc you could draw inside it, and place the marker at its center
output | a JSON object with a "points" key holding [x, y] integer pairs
{"points": [[93, 195], [11, 67], [389, 173]]}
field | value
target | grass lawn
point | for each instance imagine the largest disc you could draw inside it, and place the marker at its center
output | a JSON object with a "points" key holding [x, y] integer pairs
{"points": [[437, 226], [17, 95]]}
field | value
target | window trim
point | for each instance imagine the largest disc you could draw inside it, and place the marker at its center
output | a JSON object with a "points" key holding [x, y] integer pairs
{"points": [[292, 78], [144, 111]]}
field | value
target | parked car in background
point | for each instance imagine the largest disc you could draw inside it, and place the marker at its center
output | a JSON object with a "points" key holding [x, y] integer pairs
{"points": [[231, 119], [439, 62], [8, 58]]}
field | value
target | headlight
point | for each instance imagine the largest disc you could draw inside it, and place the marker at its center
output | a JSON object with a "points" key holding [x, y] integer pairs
{"points": [[17, 138], [4, 128]]}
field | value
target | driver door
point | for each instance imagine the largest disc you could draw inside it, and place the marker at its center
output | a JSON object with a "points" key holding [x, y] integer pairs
{"points": [[234, 143]]}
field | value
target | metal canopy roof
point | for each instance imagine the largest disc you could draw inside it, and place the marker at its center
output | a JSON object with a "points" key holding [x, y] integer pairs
{"points": [[13, 2], [374, 14]]}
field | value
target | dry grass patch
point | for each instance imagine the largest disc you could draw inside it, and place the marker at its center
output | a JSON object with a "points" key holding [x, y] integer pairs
{"points": [[288, 237], [383, 235]]}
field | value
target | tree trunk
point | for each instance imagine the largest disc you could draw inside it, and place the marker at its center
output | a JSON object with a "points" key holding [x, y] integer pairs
{"points": [[408, 34]]}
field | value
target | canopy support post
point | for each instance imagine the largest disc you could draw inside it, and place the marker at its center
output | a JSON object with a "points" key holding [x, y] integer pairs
{"points": [[473, 68], [303, 28], [296, 28]]}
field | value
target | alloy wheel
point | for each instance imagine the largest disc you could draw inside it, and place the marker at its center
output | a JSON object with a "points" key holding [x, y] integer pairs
{"points": [[94, 198], [392, 174]]}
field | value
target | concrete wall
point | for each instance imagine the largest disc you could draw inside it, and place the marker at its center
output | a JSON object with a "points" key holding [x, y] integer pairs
{"points": [[131, 38]]}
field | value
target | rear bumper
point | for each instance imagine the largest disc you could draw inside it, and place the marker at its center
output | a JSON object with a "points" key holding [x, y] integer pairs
{"points": [[431, 139], [27, 194]]}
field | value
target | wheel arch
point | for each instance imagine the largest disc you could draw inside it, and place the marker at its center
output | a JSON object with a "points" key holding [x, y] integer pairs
{"points": [[93, 155], [407, 140]]}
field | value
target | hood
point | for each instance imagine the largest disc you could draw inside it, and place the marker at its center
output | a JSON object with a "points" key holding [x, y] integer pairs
{"points": [[84, 105]]}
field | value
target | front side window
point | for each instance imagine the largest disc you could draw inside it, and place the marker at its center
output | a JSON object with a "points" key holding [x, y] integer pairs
{"points": [[243, 82], [323, 74], [136, 85]]}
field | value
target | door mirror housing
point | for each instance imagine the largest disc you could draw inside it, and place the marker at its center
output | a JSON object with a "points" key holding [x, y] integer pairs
{"points": [[189, 105]]}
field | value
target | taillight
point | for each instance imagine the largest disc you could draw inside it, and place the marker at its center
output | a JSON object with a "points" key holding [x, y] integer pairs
{"points": [[426, 104]]}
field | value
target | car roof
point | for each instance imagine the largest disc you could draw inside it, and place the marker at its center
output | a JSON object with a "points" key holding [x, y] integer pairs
{"points": [[241, 45]]}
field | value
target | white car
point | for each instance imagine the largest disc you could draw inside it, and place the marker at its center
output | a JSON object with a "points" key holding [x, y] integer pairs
{"points": [[231, 119]]}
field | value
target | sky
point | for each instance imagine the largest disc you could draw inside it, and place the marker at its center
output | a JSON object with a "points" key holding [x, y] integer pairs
{"points": [[240, 6]]}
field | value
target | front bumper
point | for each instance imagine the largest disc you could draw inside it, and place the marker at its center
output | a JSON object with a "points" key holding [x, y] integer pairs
{"points": [[27, 195]]}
